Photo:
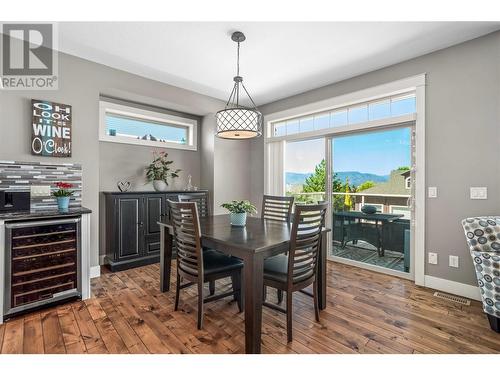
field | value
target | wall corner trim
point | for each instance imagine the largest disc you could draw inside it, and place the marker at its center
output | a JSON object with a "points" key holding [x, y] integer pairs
{"points": [[453, 287]]}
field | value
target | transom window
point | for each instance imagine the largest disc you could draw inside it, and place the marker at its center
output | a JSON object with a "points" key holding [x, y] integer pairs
{"points": [[127, 124], [380, 109]]}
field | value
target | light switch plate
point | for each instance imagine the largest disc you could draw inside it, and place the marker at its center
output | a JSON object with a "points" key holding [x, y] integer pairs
{"points": [[432, 192], [433, 258], [40, 190], [478, 193], [453, 261]]}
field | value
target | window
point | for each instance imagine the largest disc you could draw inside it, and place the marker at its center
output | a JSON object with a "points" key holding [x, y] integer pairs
{"points": [[126, 124], [401, 210], [408, 182], [393, 106], [358, 114]]}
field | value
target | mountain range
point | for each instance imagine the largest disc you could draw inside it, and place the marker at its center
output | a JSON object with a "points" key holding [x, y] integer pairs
{"points": [[355, 178]]}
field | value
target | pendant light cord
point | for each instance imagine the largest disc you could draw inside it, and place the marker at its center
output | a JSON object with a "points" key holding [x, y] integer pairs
{"points": [[238, 60], [237, 74]]}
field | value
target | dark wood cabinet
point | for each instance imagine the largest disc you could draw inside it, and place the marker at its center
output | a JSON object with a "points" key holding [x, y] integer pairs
{"points": [[128, 217], [131, 230]]}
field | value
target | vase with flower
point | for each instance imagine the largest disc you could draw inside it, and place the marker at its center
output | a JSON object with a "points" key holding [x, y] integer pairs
{"points": [[63, 195], [159, 171]]}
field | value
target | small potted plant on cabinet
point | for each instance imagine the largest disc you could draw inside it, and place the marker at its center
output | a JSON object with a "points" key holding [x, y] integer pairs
{"points": [[238, 211], [63, 195], [159, 171]]}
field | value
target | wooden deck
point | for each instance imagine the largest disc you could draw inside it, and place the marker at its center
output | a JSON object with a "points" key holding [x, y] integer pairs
{"points": [[367, 313]]}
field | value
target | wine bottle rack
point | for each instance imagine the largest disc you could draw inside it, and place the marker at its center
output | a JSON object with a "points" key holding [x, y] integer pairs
{"points": [[43, 262]]}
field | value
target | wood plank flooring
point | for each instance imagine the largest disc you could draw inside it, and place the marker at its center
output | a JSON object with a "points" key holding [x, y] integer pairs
{"points": [[367, 312]]}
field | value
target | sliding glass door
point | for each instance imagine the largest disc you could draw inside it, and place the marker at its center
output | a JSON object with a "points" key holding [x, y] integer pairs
{"points": [[371, 199]]}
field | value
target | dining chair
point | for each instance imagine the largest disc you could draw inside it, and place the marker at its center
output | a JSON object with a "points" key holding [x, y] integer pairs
{"points": [[203, 211], [297, 270], [277, 208], [200, 199], [198, 266]]}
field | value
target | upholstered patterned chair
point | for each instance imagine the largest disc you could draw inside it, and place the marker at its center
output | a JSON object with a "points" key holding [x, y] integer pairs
{"points": [[483, 237]]}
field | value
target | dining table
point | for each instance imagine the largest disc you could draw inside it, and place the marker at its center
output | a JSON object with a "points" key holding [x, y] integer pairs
{"points": [[252, 243]]}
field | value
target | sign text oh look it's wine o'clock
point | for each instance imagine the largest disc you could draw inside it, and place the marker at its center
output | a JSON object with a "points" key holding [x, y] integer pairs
{"points": [[51, 129]]}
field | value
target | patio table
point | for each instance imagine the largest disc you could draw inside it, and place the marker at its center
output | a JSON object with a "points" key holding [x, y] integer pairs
{"points": [[355, 217]]}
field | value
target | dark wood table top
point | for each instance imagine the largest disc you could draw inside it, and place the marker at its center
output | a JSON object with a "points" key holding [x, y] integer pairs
{"points": [[257, 236], [362, 215]]}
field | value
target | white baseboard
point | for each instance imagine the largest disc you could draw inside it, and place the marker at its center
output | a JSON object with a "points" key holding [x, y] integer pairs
{"points": [[453, 287], [95, 271], [101, 259]]}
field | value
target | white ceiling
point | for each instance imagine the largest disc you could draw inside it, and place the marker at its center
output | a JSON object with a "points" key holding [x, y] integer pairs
{"points": [[277, 59]]}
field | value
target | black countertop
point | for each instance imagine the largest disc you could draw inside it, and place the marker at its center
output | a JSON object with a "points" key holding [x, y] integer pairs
{"points": [[42, 214], [153, 192]]}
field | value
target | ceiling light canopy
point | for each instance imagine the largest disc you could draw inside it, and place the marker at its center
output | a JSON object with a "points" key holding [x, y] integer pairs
{"points": [[236, 121]]}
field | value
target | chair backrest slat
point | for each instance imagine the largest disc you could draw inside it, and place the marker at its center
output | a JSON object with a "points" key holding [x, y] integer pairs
{"points": [[277, 208], [187, 237], [305, 242], [201, 200]]}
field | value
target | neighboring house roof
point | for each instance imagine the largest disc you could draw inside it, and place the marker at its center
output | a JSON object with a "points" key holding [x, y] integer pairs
{"points": [[395, 184]]}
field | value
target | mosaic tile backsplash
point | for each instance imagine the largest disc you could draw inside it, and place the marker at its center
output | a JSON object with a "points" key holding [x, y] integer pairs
{"points": [[20, 175]]}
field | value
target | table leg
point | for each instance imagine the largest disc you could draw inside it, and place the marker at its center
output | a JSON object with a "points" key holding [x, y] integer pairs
{"points": [[165, 258], [253, 269]]}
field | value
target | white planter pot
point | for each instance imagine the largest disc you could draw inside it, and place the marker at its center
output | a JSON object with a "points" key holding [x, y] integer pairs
{"points": [[160, 185], [238, 219]]}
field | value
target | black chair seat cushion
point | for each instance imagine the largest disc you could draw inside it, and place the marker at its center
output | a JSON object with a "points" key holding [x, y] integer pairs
{"points": [[276, 268], [215, 262]]}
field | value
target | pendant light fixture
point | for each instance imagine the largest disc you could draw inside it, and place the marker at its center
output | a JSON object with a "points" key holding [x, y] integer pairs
{"points": [[236, 121]]}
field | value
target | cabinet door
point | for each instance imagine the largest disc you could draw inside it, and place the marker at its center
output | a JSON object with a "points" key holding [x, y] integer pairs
{"points": [[129, 227], [154, 209]]}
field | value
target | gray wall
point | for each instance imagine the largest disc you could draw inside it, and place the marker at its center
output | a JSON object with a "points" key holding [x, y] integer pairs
{"points": [[462, 140], [81, 82], [231, 175]]}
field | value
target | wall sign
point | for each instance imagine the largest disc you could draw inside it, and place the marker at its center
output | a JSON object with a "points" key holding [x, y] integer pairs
{"points": [[51, 129]]}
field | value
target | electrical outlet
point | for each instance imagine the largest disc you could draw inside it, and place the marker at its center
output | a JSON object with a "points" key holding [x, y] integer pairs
{"points": [[478, 193], [453, 261], [432, 192], [40, 190], [433, 258]]}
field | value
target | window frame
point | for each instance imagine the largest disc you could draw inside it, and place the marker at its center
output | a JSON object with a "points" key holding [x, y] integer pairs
{"points": [[274, 149], [348, 126], [156, 117]]}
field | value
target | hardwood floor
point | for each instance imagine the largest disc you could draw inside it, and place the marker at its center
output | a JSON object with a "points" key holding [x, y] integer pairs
{"points": [[367, 313]]}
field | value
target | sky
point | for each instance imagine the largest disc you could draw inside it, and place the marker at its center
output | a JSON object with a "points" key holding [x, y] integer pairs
{"points": [[376, 152], [140, 128]]}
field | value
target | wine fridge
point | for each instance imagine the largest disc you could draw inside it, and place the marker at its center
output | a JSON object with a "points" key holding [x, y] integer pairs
{"points": [[42, 263]]}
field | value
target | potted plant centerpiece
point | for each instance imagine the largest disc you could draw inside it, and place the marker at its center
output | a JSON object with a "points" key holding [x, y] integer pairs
{"points": [[63, 195], [159, 171], [238, 211]]}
